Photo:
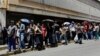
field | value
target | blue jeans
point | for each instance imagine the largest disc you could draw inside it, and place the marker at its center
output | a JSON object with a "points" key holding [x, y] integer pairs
{"points": [[11, 43], [85, 35], [57, 35], [95, 34], [80, 38], [89, 35], [37, 38], [63, 36], [21, 41]]}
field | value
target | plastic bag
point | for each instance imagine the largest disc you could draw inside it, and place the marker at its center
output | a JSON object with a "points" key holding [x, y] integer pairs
{"points": [[76, 38]]}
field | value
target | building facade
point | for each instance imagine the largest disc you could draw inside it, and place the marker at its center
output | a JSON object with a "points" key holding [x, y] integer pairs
{"points": [[74, 9]]}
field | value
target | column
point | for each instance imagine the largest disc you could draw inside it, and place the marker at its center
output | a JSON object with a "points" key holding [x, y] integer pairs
{"points": [[3, 17]]}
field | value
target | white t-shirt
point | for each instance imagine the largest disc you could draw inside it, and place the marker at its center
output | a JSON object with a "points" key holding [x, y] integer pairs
{"points": [[96, 28], [10, 28], [18, 33], [73, 28]]}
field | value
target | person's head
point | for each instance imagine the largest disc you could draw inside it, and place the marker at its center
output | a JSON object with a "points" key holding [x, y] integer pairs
{"points": [[32, 21], [43, 25], [38, 24], [18, 23], [12, 22], [78, 24], [94, 24], [55, 22]]}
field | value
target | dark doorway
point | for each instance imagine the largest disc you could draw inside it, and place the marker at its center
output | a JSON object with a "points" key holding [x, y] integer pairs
{"points": [[16, 16]]}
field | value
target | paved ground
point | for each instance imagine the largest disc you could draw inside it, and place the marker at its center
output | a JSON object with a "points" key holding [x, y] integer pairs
{"points": [[3, 49], [89, 48]]}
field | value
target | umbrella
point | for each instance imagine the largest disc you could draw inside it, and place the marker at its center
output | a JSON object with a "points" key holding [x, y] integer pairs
{"points": [[66, 23], [48, 20], [24, 20], [56, 25]]}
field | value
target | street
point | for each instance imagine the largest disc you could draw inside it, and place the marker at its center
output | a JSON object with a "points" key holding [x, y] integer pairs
{"points": [[89, 48]]}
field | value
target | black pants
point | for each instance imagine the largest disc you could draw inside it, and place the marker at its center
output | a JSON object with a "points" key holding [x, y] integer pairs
{"points": [[80, 38], [39, 41], [46, 40], [73, 35], [68, 36], [31, 41]]}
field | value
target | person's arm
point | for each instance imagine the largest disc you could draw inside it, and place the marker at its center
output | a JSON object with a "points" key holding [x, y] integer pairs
{"points": [[8, 30], [46, 33], [39, 30], [60, 30]]}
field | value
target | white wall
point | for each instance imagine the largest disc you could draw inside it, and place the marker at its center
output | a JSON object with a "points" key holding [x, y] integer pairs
{"points": [[3, 17]]}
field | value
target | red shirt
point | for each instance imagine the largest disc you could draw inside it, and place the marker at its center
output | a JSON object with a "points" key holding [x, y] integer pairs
{"points": [[44, 30], [86, 27]]}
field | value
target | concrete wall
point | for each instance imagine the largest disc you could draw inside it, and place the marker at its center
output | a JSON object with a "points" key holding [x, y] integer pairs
{"points": [[93, 3], [73, 5], [3, 17]]}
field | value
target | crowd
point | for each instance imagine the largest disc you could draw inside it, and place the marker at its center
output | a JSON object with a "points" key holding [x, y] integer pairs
{"points": [[48, 33]]}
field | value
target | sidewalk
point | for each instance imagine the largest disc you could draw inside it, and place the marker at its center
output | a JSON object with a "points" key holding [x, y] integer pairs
{"points": [[1, 46], [89, 48], [3, 52], [3, 49]]}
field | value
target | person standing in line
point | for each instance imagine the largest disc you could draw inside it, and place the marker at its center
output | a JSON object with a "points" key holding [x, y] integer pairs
{"points": [[5, 35], [90, 33], [21, 38], [38, 37], [85, 29], [79, 33], [56, 31], [96, 30], [44, 33], [63, 31], [12, 29], [18, 34], [73, 30], [31, 36]]}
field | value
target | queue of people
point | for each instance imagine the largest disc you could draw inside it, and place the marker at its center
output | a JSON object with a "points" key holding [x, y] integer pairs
{"points": [[49, 34]]}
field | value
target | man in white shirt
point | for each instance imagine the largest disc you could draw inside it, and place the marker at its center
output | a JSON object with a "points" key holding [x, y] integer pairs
{"points": [[11, 36], [72, 30]]}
